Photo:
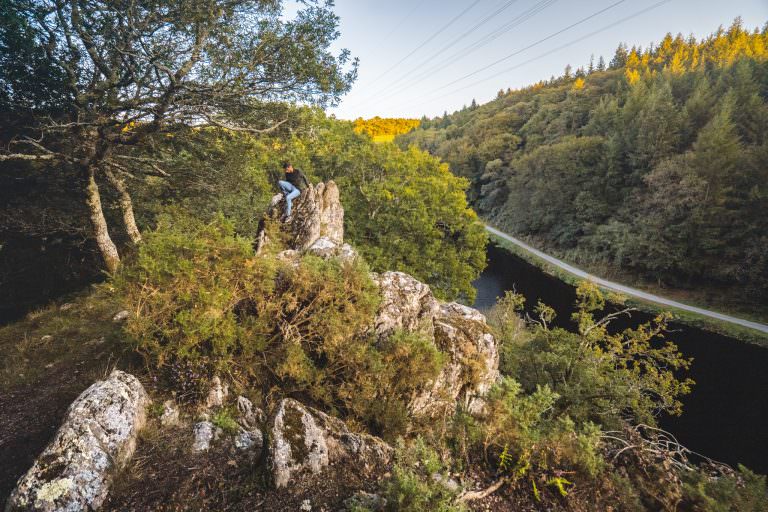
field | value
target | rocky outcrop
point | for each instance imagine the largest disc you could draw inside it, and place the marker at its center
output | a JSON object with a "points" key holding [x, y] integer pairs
{"points": [[458, 331], [406, 303], [317, 213], [98, 435], [305, 440], [472, 366]]}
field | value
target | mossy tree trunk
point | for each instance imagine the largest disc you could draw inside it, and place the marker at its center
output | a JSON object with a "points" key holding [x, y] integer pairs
{"points": [[126, 206], [104, 242]]}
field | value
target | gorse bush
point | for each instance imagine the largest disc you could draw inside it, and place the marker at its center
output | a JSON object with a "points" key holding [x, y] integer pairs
{"points": [[419, 481], [204, 304], [183, 288]]}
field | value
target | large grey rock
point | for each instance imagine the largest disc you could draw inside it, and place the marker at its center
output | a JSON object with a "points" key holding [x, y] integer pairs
{"points": [[98, 435], [316, 213], [406, 304], [304, 440], [472, 366]]}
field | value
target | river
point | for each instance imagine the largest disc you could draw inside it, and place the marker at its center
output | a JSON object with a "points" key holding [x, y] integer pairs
{"points": [[724, 417]]}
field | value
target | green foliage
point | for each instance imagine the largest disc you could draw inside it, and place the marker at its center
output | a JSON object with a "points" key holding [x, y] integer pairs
{"points": [[404, 210], [600, 377], [535, 438], [544, 421], [225, 420], [655, 166], [416, 484], [204, 305], [187, 280], [742, 491], [382, 402]]}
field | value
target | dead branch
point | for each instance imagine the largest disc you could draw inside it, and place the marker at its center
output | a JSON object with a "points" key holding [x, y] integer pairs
{"points": [[227, 126], [478, 495]]}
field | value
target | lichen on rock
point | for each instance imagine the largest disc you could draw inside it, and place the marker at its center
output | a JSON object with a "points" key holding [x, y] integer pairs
{"points": [[303, 439], [406, 303], [98, 435]]}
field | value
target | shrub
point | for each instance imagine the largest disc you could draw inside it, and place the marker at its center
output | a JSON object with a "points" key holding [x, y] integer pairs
{"points": [[402, 363], [531, 440], [743, 490], [418, 481], [225, 420], [183, 288], [601, 377], [205, 304]]}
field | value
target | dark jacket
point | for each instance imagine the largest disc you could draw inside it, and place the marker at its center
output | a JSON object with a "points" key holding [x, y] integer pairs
{"points": [[297, 179]]}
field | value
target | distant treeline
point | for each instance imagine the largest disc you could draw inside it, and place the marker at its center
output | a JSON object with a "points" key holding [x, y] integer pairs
{"points": [[656, 162], [378, 127]]}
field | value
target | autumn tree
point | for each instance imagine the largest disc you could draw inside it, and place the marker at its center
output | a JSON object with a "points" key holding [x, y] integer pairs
{"points": [[85, 83]]}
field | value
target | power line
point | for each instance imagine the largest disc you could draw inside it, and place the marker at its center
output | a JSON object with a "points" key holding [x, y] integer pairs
{"points": [[485, 40], [429, 39], [466, 34], [513, 54], [404, 19], [559, 48]]}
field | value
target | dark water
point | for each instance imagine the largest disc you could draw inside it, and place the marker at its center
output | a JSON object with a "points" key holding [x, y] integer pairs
{"points": [[726, 415]]}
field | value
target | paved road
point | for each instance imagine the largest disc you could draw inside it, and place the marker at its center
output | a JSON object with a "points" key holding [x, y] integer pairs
{"points": [[625, 289]]}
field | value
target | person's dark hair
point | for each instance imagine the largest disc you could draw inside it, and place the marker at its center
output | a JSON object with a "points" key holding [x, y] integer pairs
{"points": [[286, 165]]}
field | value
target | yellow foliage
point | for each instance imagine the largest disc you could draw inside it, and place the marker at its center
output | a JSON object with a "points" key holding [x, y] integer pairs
{"points": [[632, 76], [578, 84], [385, 129]]}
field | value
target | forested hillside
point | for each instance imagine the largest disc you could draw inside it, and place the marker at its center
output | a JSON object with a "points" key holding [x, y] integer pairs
{"points": [[656, 163]]}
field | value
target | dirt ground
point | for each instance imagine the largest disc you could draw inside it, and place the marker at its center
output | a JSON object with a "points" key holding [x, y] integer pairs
{"points": [[31, 414], [165, 476]]}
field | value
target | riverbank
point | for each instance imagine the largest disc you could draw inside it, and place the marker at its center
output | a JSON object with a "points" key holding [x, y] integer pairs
{"points": [[727, 328], [724, 415]]}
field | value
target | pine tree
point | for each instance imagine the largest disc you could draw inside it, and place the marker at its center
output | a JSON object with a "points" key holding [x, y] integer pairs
{"points": [[601, 64], [620, 57]]}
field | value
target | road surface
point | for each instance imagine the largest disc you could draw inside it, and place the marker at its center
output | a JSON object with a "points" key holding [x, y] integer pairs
{"points": [[626, 290]]}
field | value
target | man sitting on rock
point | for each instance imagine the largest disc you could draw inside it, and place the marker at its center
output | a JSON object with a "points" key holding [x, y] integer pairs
{"points": [[291, 186]]}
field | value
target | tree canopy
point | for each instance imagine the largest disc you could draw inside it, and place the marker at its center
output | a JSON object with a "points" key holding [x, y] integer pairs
{"points": [[656, 165], [83, 83]]}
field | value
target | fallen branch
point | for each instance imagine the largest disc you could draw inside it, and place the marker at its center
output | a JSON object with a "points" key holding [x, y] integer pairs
{"points": [[478, 495], [21, 156]]}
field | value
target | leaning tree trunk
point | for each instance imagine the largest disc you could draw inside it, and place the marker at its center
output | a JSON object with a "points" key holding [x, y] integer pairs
{"points": [[99, 224], [126, 205]]}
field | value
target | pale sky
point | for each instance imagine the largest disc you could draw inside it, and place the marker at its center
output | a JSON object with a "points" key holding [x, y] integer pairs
{"points": [[415, 55]]}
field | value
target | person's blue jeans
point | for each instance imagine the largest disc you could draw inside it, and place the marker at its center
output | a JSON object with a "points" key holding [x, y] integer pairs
{"points": [[290, 192]]}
